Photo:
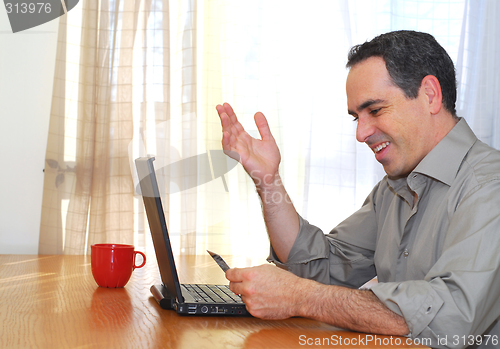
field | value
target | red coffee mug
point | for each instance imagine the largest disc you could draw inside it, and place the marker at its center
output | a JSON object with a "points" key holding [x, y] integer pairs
{"points": [[112, 264]]}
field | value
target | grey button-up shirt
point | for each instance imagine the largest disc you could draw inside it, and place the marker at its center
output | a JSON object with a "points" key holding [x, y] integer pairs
{"points": [[438, 261]]}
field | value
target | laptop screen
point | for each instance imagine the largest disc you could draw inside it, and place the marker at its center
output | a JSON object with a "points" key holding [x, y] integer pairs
{"points": [[158, 226]]}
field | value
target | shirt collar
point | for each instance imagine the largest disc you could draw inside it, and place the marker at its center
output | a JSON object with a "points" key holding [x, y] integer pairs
{"points": [[444, 160]]}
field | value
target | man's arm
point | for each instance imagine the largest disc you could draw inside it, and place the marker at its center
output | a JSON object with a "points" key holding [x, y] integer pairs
{"points": [[281, 218], [272, 293], [358, 310], [261, 158]]}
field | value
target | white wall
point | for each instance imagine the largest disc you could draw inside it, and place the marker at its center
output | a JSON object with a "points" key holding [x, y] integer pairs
{"points": [[27, 61]]}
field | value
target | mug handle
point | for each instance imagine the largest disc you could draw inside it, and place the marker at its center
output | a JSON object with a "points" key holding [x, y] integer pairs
{"points": [[143, 259]]}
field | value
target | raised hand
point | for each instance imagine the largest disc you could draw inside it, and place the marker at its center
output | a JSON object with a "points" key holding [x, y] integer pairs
{"points": [[259, 157]]}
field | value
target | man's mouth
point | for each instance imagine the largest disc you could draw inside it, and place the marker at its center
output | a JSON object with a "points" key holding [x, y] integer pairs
{"points": [[380, 147]]}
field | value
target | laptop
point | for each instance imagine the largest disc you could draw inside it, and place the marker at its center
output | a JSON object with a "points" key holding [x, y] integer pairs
{"points": [[186, 299]]}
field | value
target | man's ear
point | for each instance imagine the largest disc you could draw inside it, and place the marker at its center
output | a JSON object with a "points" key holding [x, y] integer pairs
{"points": [[432, 89]]}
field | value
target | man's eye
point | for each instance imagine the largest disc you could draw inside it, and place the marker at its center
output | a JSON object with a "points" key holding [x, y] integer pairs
{"points": [[355, 119], [374, 111]]}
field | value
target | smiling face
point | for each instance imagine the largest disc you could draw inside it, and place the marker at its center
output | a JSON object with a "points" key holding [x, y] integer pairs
{"points": [[399, 130]]}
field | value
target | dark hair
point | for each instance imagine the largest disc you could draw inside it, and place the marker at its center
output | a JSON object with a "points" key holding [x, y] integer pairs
{"points": [[409, 57]]}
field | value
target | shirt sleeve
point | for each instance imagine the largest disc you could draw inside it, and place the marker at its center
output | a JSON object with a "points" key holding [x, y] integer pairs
{"points": [[459, 295], [343, 257]]}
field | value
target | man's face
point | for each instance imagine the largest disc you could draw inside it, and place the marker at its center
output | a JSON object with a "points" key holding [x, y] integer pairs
{"points": [[396, 128]]}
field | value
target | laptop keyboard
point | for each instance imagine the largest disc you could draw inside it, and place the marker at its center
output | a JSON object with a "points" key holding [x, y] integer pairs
{"points": [[212, 293]]}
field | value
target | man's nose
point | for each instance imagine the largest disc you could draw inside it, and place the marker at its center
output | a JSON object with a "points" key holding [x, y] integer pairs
{"points": [[365, 129]]}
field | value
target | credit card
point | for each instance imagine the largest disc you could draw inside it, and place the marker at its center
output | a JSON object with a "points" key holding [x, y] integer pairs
{"points": [[218, 259]]}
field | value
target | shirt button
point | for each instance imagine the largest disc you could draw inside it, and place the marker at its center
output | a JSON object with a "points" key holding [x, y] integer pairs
{"points": [[406, 253]]}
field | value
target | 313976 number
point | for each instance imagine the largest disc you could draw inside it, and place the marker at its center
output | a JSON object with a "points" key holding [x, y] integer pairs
{"points": [[39, 7]]}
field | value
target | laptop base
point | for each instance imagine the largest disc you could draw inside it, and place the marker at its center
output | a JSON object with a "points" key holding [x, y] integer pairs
{"points": [[164, 299]]}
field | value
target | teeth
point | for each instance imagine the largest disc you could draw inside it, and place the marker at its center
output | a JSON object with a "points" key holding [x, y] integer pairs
{"points": [[380, 147]]}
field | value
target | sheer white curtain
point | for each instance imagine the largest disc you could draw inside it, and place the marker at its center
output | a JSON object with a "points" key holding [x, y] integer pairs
{"points": [[173, 61], [478, 69]]}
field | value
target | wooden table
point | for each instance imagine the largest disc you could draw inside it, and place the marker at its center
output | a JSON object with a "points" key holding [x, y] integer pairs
{"points": [[54, 302]]}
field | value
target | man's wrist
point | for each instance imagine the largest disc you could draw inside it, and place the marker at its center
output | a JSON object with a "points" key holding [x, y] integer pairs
{"points": [[308, 296], [266, 183], [272, 191]]}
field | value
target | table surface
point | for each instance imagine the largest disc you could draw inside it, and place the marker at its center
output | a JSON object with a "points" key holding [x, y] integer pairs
{"points": [[54, 302]]}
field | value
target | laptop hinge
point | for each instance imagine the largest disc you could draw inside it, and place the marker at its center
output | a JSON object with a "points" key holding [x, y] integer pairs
{"points": [[162, 296]]}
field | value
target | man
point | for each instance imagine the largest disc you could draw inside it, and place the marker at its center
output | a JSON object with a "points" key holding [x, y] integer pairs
{"points": [[430, 230]]}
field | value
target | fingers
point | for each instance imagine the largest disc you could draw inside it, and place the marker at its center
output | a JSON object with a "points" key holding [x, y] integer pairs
{"points": [[263, 126], [239, 279], [227, 125], [231, 124], [234, 275], [230, 112], [228, 118], [224, 117], [235, 279], [235, 287]]}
